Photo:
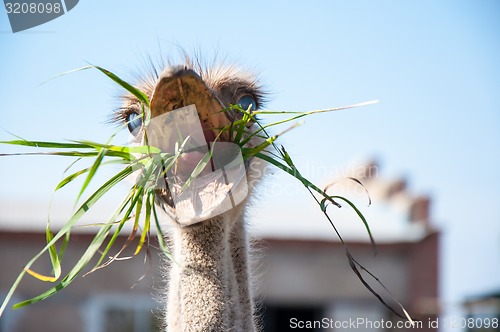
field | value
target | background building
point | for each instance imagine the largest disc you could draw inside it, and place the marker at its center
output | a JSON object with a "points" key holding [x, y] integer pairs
{"points": [[304, 276]]}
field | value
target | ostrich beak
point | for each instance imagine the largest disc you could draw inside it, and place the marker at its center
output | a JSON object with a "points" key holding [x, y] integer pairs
{"points": [[178, 87]]}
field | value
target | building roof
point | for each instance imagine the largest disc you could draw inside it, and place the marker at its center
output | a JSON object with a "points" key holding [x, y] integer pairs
{"points": [[395, 215]]}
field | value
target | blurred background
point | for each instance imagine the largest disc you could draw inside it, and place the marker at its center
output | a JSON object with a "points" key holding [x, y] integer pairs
{"points": [[428, 152]]}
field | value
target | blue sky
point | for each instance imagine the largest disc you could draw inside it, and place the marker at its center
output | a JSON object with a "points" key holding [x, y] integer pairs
{"points": [[432, 64]]}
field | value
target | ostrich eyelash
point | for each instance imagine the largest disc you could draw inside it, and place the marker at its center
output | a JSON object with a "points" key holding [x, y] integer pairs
{"points": [[120, 115]]}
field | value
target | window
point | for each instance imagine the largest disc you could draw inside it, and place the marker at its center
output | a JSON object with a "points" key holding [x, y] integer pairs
{"points": [[122, 313], [282, 318], [368, 313]]}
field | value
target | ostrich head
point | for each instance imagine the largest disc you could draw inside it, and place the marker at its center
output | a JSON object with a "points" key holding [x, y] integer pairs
{"points": [[210, 90]]}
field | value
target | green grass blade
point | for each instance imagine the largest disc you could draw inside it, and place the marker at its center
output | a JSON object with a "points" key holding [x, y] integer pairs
{"points": [[147, 225], [136, 92], [199, 167], [250, 152], [309, 184], [135, 203], [80, 265], [92, 172], [361, 216], [159, 232], [70, 178], [52, 145], [67, 227], [326, 110], [136, 194], [64, 245], [71, 165], [241, 128], [54, 256], [298, 116], [73, 176], [66, 73], [146, 149]]}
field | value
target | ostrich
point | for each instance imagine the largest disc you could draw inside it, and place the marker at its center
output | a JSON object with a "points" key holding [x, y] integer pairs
{"points": [[209, 282]]}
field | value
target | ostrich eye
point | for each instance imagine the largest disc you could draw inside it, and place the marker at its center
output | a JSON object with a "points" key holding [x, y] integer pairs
{"points": [[134, 123], [246, 101]]}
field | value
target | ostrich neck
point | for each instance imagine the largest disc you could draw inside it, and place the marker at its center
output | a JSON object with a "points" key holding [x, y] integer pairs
{"points": [[209, 282]]}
